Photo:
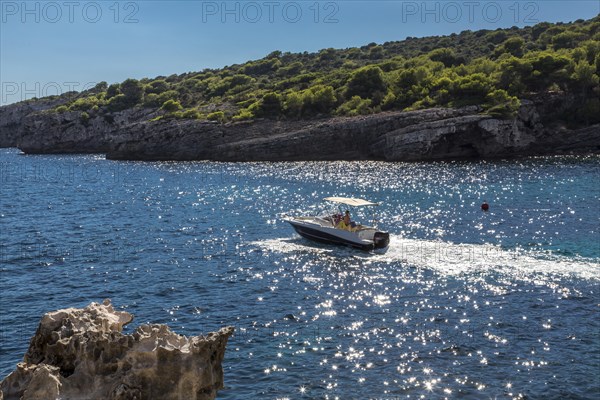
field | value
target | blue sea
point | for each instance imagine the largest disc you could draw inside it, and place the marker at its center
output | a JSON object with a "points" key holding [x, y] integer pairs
{"points": [[464, 304]]}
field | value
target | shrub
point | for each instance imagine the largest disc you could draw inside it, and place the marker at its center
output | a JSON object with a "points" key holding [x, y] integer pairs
{"points": [[513, 75], [113, 90], [548, 68], [584, 77], [261, 67], [567, 40], [496, 37], [293, 104], [157, 86], [151, 100], [318, 99], [291, 70], [376, 52], [239, 79], [425, 102], [133, 91], [168, 95], [445, 56], [84, 103], [355, 106], [191, 114], [274, 54], [470, 89], [389, 101], [118, 103], [367, 82], [243, 115], [269, 105], [61, 109], [408, 78], [514, 46], [501, 104], [100, 87], [171, 106], [218, 116]]}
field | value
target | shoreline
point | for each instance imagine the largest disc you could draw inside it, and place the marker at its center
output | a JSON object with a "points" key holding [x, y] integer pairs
{"points": [[448, 160], [434, 134]]}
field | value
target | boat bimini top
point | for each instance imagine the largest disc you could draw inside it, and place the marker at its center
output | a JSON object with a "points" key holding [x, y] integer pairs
{"points": [[350, 201]]}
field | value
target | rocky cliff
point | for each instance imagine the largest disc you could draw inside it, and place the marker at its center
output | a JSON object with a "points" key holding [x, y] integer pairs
{"points": [[12, 116], [433, 134], [48, 132], [83, 354]]}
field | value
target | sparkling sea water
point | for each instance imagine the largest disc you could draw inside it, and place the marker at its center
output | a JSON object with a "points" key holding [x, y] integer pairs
{"points": [[463, 304]]}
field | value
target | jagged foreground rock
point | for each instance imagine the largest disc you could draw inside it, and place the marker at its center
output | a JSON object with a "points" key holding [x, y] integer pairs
{"points": [[83, 354]]}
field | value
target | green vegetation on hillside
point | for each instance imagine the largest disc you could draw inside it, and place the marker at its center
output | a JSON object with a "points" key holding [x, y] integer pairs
{"points": [[492, 69]]}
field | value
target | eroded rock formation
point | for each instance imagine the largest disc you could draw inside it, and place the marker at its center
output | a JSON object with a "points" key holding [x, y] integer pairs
{"points": [[83, 354]]}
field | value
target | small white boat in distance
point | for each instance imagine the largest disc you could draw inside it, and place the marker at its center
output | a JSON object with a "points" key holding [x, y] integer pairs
{"points": [[331, 229]]}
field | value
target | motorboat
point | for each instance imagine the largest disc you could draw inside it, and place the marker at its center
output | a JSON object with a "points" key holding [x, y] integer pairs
{"points": [[330, 228]]}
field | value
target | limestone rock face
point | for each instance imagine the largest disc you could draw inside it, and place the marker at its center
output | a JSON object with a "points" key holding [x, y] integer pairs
{"points": [[423, 135], [83, 354], [50, 132], [356, 138], [12, 116]]}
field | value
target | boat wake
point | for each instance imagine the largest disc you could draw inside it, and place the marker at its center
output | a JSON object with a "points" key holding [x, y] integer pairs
{"points": [[450, 258]]}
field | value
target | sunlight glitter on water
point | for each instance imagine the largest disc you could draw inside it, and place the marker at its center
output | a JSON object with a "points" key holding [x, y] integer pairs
{"points": [[463, 304]]}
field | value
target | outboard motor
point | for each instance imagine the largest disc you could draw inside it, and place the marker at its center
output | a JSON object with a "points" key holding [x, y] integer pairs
{"points": [[381, 240]]}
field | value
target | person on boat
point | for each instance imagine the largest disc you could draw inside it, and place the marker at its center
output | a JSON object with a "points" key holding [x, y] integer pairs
{"points": [[346, 223], [347, 220], [336, 218]]}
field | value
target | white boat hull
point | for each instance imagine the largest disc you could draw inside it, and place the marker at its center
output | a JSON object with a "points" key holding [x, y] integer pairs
{"points": [[322, 230]]}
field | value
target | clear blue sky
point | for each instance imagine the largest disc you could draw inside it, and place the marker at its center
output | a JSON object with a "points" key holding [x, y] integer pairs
{"points": [[47, 46]]}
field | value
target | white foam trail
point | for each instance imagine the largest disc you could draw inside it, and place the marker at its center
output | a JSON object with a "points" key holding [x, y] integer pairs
{"points": [[455, 259]]}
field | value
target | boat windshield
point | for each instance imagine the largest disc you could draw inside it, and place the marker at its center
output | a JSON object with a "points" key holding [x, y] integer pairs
{"points": [[358, 215]]}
